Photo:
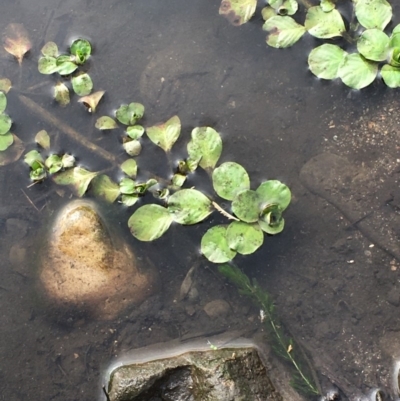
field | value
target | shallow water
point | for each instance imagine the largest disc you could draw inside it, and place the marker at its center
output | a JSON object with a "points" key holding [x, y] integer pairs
{"points": [[185, 59]]}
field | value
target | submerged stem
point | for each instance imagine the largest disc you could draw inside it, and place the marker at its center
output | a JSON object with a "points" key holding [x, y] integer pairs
{"points": [[224, 212]]}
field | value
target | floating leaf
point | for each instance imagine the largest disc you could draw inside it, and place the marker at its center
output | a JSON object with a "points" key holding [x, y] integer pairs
{"points": [[394, 57], [324, 25], [238, 12], [274, 192], [288, 7], [106, 122], [129, 167], [6, 141], [68, 161], [103, 187], [161, 193], [61, 94], [246, 206], [141, 188], [127, 186], [357, 72], [38, 174], [373, 13], [327, 5], [65, 65], [390, 75], [82, 84], [283, 31], [81, 49], [13, 153], [267, 13], [324, 60], [5, 85], [166, 134], [53, 164], [129, 200], [229, 179], [5, 124], [189, 165], [149, 222], [206, 146], [373, 44], [47, 65], [271, 220], [135, 131], [50, 49], [130, 114], [214, 245], [34, 159], [178, 180], [3, 101], [189, 206], [42, 138], [133, 148], [244, 238], [16, 41], [91, 101], [77, 177]]}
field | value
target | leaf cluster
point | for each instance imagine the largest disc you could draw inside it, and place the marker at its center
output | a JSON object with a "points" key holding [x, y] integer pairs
{"points": [[284, 346]]}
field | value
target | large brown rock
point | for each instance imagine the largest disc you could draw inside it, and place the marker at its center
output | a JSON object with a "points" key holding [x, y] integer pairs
{"points": [[86, 268]]}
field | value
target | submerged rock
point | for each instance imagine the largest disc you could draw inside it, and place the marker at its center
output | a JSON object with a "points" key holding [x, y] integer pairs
{"points": [[83, 267]]}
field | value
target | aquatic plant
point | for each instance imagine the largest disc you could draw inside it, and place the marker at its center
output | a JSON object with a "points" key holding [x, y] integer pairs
{"points": [[356, 69], [303, 378]]}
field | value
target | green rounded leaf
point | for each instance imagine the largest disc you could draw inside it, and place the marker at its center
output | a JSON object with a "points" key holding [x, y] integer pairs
{"points": [[5, 124], [42, 138], [206, 146], [373, 13], [82, 84], [33, 159], [6, 141], [324, 60], [81, 49], [133, 148], [135, 131], [394, 57], [394, 39], [267, 13], [61, 94], [357, 72], [78, 178], [244, 238], [106, 122], [50, 49], [214, 245], [390, 75], [149, 222], [47, 65], [166, 134], [129, 167], [127, 186], [246, 206], [189, 206], [274, 192], [65, 65], [129, 200], [103, 187], [3, 101], [373, 44], [178, 180], [129, 114], [324, 25], [5, 85], [272, 230], [229, 179], [53, 164], [283, 31], [327, 5]]}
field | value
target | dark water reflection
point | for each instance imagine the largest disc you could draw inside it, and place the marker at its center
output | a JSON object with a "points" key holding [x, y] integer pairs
{"points": [[180, 57]]}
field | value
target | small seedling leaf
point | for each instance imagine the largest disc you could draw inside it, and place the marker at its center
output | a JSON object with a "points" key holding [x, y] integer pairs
{"points": [[130, 114], [5, 85], [267, 13], [65, 65], [42, 138], [91, 101], [129, 167], [238, 12], [127, 186], [178, 180], [82, 84], [133, 148], [390, 75], [229, 179], [16, 41], [327, 5], [283, 31], [373, 44], [324, 60], [373, 13], [205, 146], [33, 158], [324, 25], [135, 131], [166, 134], [48, 65], [81, 49], [129, 200], [53, 164], [149, 222], [50, 49], [105, 122], [103, 187], [189, 206], [244, 238], [357, 72], [61, 94], [214, 245], [78, 178], [5, 124], [273, 192], [269, 228]]}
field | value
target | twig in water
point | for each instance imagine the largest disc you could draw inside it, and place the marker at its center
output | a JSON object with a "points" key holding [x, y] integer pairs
{"points": [[224, 212], [29, 200]]}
